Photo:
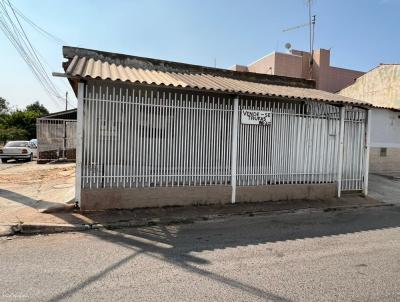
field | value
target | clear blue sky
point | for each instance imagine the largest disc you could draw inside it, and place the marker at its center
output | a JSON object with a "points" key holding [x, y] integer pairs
{"points": [[361, 33]]}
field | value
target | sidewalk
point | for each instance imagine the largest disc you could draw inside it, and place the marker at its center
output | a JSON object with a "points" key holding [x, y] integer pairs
{"points": [[34, 222]]}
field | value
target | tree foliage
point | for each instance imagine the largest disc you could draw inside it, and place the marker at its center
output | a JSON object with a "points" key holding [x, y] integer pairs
{"points": [[19, 124]]}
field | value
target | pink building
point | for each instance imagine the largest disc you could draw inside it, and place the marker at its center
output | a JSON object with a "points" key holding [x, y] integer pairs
{"points": [[296, 64]]}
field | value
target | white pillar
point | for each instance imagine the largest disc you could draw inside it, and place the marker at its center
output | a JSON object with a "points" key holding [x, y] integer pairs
{"points": [[79, 143], [234, 147], [340, 161], [366, 151]]}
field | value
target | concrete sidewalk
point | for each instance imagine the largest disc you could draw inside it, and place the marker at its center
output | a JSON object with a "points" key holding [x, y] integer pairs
{"points": [[30, 222], [40, 199], [29, 187]]}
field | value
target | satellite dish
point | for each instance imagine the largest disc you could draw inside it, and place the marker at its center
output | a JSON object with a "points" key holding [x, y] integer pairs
{"points": [[288, 46]]}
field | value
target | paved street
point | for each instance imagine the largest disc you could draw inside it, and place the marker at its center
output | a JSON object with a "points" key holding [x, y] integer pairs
{"points": [[351, 255], [384, 189]]}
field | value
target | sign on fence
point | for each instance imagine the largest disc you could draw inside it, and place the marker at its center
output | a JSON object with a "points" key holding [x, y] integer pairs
{"points": [[256, 117]]}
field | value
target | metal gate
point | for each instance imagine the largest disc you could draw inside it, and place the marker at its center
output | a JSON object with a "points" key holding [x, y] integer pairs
{"points": [[354, 149], [56, 139]]}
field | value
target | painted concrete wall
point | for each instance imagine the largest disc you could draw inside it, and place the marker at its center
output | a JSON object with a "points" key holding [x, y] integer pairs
{"points": [[380, 86], [385, 128], [296, 64], [120, 198], [264, 65]]}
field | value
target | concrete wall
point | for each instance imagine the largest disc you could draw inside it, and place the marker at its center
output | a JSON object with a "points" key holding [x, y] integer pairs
{"points": [[277, 63], [380, 86], [265, 65], [385, 128], [383, 164], [296, 64], [98, 199]]}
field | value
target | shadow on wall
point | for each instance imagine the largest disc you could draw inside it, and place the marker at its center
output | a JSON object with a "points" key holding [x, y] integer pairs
{"points": [[174, 244]]}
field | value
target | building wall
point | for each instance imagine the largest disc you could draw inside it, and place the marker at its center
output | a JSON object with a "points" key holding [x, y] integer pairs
{"points": [[296, 64], [120, 198], [264, 65], [385, 128], [380, 86], [277, 63], [384, 161]]}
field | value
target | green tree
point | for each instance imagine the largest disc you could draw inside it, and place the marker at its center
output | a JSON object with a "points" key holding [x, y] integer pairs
{"points": [[19, 124], [4, 106], [37, 107]]}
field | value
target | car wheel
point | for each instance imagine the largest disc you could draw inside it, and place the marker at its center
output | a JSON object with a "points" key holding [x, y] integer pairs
{"points": [[3, 160], [30, 157]]}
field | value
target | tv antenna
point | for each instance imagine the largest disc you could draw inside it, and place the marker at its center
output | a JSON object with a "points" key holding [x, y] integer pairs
{"points": [[311, 25]]}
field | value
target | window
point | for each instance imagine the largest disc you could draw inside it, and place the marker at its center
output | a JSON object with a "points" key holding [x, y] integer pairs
{"points": [[383, 152]]}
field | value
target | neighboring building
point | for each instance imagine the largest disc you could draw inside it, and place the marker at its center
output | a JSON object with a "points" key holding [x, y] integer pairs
{"points": [[156, 133], [381, 88], [56, 135], [296, 64]]}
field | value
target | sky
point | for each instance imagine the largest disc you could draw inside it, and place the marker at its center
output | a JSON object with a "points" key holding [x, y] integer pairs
{"points": [[360, 33]]}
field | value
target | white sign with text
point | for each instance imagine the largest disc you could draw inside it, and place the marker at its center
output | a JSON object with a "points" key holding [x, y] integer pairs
{"points": [[256, 117]]}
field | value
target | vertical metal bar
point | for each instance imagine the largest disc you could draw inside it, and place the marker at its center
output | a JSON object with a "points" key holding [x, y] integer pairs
{"points": [[234, 147], [366, 151], [340, 161], [79, 145]]}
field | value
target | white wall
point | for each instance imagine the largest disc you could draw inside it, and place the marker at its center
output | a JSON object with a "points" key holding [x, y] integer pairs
{"points": [[385, 128]]}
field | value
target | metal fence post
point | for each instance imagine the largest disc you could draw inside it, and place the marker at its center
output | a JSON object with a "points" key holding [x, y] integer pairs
{"points": [[367, 147], [234, 147], [341, 149], [79, 147]]}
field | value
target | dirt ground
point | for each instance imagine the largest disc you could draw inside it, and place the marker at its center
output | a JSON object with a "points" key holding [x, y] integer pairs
{"points": [[28, 187]]}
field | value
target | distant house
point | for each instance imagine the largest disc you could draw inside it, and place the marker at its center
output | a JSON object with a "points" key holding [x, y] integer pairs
{"points": [[381, 88], [155, 133], [296, 63]]}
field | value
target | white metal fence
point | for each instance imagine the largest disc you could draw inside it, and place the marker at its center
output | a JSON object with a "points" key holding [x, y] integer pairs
{"points": [[143, 137], [353, 152], [56, 139], [300, 145]]}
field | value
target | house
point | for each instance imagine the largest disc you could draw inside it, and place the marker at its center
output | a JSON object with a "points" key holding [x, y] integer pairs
{"points": [[381, 88], [156, 133], [296, 63]]}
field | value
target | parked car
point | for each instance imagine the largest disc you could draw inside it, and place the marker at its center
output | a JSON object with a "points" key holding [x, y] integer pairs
{"points": [[24, 150]]}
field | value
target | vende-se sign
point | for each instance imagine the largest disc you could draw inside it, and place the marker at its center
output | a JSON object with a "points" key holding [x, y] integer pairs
{"points": [[256, 117]]}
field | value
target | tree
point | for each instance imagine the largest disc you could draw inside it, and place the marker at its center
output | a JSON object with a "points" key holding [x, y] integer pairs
{"points": [[4, 106], [19, 124], [37, 107], [10, 134]]}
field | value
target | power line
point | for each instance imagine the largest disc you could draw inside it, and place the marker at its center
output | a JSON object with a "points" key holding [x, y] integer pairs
{"points": [[16, 34], [38, 28]]}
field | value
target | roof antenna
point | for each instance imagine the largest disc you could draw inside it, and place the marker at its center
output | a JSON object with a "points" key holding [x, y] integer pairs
{"points": [[215, 62], [311, 25]]}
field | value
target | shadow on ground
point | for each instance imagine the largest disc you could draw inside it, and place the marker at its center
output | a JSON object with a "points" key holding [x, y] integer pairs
{"points": [[178, 244]]}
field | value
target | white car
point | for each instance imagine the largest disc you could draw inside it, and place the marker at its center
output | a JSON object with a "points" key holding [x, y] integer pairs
{"points": [[24, 150]]}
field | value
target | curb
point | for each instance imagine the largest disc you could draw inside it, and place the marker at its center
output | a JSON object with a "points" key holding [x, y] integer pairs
{"points": [[48, 228]]}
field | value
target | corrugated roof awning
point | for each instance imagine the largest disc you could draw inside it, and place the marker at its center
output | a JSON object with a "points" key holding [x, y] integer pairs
{"points": [[84, 65]]}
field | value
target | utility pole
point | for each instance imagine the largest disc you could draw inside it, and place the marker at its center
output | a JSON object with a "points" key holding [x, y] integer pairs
{"points": [[66, 100]]}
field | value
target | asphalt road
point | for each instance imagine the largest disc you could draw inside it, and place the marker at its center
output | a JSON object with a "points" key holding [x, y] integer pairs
{"points": [[351, 255]]}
